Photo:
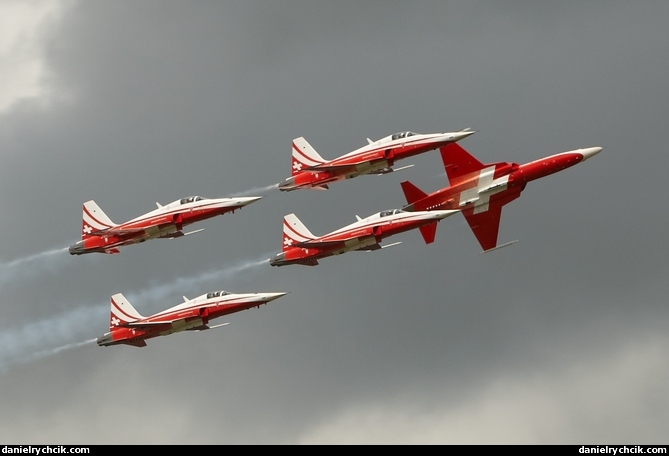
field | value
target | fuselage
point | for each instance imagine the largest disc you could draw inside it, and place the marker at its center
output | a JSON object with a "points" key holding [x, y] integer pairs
{"points": [[377, 157], [164, 222], [364, 234], [495, 180], [189, 315]]}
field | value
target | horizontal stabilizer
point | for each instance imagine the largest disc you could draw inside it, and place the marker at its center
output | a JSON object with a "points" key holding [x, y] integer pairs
{"points": [[136, 343], [428, 232]]}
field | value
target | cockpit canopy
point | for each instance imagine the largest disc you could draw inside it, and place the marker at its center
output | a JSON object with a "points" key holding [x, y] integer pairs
{"points": [[216, 294], [191, 199], [403, 134], [390, 212]]}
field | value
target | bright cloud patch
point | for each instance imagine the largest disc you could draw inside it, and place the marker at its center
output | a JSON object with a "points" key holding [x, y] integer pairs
{"points": [[22, 24], [567, 406]]}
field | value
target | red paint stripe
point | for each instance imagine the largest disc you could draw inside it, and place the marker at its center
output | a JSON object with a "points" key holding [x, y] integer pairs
{"points": [[127, 317], [305, 157], [95, 219], [290, 228]]}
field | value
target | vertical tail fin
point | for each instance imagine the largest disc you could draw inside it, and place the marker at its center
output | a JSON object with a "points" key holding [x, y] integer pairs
{"points": [[294, 231], [304, 156], [428, 232], [413, 194], [94, 219], [459, 163], [122, 312]]}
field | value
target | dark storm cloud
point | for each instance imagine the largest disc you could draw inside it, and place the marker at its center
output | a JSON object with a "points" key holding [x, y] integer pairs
{"points": [[559, 338]]}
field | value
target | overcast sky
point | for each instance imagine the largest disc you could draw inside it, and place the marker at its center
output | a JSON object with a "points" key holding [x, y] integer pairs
{"points": [[560, 338]]}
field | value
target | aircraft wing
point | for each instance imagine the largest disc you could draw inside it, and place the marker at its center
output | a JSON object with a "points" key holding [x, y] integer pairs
{"points": [[148, 225], [329, 167], [315, 243], [375, 247], [485, 225], [349, 239], [148, 324], [116, 231]]}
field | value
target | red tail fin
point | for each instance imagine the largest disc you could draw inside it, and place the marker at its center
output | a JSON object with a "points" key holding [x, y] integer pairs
{"points": [[411, 192], [428, 232], [459, 163]]}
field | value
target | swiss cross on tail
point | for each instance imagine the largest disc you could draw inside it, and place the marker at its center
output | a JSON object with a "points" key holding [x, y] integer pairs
{"points": [[122, 312], [294, 232], [304, 156]]}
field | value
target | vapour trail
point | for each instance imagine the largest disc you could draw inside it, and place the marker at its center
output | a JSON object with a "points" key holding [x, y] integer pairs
{"points": [[51, 260], [173, 290], [257, 191], [72, 329], [32, 265]]}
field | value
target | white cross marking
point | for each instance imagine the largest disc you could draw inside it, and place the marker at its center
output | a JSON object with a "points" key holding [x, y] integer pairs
{"points": [[287, 241], [297, 166], [482, 200], [115, 321], [87, 229], [485, 180]]}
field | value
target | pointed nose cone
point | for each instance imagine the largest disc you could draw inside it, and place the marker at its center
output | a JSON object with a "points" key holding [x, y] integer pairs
{"points": [[272, 296], [457, 136], [590, 152], [245, 201], [439, 215]]}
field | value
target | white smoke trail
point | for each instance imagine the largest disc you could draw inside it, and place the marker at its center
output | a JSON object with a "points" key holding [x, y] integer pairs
{"points": [[65, 331], [35, 340], [182, 285], [31, 265], [257, 190], [53, 351]]}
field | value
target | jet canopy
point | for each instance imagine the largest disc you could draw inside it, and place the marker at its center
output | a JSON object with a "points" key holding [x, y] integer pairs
{"points": [[216, 294], [390, 212], [402, 134], [191, 199]]}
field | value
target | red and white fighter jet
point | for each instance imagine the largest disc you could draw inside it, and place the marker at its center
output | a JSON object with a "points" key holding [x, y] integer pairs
{"points": [[302, 247], [311, 171], [128, 327], [480, 191], [100, 234]]}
